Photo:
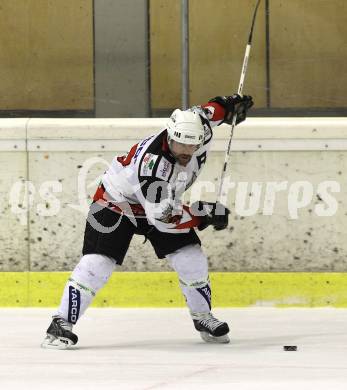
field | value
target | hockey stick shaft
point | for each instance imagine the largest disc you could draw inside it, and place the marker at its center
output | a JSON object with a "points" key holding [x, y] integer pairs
{"points": [[239, 91]]}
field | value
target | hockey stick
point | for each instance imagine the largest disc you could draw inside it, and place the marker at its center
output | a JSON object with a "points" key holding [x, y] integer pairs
{"points": [[242, 79], [189, 220]]}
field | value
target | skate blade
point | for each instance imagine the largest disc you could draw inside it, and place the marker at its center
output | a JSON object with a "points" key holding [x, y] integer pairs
{"points": [[208, 338], [51, 342]]}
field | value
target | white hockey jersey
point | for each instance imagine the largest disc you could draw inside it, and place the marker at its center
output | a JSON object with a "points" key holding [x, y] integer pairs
{"points": [[150, 180]]}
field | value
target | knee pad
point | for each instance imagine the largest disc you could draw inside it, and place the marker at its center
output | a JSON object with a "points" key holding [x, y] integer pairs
{"points": [[92, 272], [190, 263]]}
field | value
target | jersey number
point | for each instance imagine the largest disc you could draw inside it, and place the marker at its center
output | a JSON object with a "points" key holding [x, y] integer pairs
{"points": [[126, 160], [201, 159]]}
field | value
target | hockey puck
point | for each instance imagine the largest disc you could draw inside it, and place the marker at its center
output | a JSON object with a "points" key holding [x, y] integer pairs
{"points": [[290, 347]]}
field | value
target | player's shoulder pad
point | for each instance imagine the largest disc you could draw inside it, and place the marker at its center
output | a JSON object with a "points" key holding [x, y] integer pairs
{"points": [[207, 129], [205, 120]]}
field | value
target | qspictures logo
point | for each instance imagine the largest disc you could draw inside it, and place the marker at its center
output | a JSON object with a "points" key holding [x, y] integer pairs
{"points": [[246, 199]]}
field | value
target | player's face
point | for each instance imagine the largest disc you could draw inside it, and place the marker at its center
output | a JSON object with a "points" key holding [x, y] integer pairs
{"points": [[182, 152]]}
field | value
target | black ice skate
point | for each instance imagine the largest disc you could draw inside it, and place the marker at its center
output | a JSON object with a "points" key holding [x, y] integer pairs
{"points": [[59, 335], [212, 330]]}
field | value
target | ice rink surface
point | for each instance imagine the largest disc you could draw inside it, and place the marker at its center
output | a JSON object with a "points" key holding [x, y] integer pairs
{"points": [[146, 349]]}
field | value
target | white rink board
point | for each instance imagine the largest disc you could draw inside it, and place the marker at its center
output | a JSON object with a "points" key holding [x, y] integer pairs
{"points": [[159, 349], [47, 151]]}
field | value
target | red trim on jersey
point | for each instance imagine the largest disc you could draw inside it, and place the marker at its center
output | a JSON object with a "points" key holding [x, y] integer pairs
{"points": [[99, 193], [100, 197], [193, 222], [126, 160], [219, 111]]}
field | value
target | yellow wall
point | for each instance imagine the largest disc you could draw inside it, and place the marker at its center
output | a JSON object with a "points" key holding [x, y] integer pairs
{"points": [[46, 54], [308, 53], [308, 42], [217, 36], [161, 289]]}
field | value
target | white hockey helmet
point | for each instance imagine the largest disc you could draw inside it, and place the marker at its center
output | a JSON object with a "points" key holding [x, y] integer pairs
{"points": [[186, 127]]}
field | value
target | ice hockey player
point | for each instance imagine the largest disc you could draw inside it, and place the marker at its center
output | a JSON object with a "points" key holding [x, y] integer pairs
{"points": [[141, 193]]}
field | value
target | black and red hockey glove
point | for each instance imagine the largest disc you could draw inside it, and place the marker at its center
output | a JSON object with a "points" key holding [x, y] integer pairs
{"points": [[234, 104], [211, 213]]}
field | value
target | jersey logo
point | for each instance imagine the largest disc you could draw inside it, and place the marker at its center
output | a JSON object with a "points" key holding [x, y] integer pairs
{"points": [[164, 169], [148, 163]]}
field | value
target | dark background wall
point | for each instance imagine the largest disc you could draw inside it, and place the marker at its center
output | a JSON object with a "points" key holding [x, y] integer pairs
{"points": [[46, 55], [297, 67], [121, 58]]}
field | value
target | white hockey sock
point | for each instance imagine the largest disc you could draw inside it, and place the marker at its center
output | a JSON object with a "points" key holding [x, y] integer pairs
{"points": [[89, 275], [191, 265], [198, 296]]}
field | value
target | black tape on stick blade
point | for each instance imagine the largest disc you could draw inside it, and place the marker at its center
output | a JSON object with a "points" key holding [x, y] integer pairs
{"points": [[290, 347]]}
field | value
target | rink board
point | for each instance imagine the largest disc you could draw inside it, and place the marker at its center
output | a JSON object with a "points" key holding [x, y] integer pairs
{"points": [[161, 289]]}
